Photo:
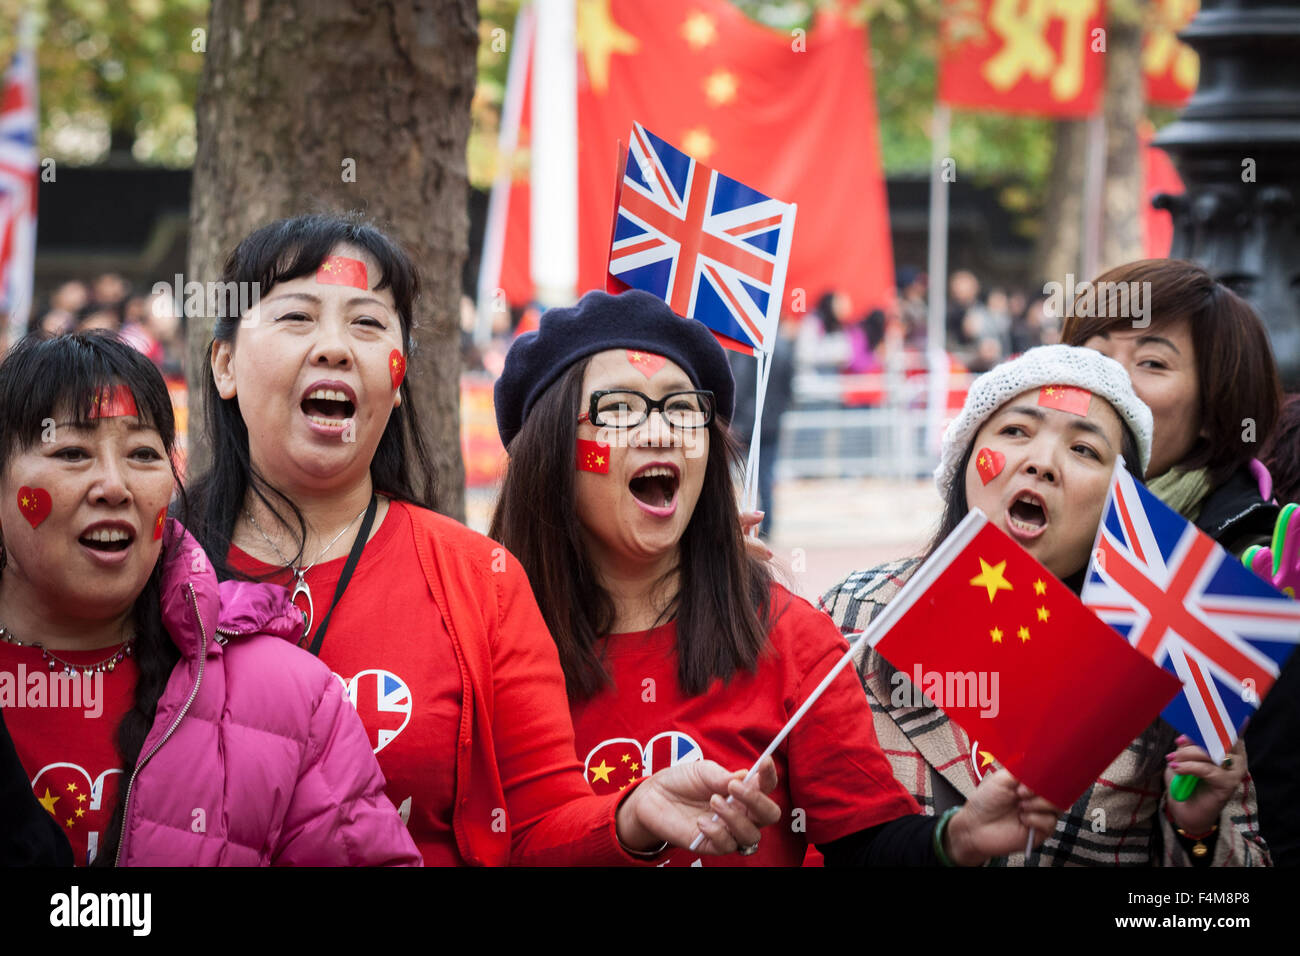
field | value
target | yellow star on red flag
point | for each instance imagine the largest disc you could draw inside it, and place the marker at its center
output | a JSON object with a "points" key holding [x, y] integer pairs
{"points": [[991, 578]]}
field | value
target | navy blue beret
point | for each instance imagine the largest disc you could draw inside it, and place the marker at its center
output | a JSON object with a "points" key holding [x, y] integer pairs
{"points": [[600, 321]]}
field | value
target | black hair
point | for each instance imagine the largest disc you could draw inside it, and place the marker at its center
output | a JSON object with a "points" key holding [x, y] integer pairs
{"points": [[42, 380], [284, 250]]}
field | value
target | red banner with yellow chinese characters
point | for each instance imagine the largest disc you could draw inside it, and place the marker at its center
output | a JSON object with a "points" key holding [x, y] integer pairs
{"points": [[1039, 57], [1169, 66]]}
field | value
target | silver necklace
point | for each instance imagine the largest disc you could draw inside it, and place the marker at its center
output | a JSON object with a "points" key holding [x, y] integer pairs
{"points": [[300, 574], [109, 663]]}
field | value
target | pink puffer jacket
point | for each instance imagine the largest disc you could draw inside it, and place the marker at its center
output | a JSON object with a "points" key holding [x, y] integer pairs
{"points": [[255, 756]]}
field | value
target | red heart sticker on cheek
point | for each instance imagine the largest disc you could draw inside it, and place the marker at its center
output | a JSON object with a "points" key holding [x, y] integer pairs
{"points": [[397, 367], [989, 464], [35, 504]]}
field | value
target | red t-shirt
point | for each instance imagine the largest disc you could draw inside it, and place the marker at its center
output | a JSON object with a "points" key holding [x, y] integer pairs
{"points": [[64, 729], [388, 645], [833, 778]]}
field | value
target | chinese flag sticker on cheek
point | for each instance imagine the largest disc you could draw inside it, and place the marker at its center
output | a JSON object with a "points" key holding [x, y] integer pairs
{"points": [[397, 367], [35, 504], [593, 456], [1065, 397], [159, 522], [340, 270], [989, 464]]}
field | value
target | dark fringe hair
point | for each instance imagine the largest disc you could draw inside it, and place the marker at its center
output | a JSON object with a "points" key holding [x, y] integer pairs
{"points": [[723, 600], [44, 379], [402, 468], [1236, 373], [1282, 454]]}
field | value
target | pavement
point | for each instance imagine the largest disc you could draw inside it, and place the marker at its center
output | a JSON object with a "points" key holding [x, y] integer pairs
{"points": [[822, 528]]}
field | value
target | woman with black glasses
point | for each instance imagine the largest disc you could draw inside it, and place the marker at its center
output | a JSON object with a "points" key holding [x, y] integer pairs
{"points": [[676, 644]]}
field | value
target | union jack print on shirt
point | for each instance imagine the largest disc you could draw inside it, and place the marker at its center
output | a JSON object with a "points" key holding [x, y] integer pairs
{"points": [[18, 163], [711, 247], [1191, 607]]}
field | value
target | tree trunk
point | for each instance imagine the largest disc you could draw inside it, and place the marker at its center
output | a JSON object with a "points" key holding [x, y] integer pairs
{"points": [[295, 93], [1124, 109], [1057, 250]]}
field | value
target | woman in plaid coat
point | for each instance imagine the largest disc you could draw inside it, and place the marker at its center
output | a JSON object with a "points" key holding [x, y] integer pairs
{"points": [[1040, 468]]}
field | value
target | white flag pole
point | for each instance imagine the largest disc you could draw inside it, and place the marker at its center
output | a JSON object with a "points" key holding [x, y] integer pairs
{"points": [[553, 244], [937, 358], [880, 626], [749, 496], [494, 231]]}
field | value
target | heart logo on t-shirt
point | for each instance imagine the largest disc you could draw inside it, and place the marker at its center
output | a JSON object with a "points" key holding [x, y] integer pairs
{"points": [[616, 763], [383, 701], [81, 806]]}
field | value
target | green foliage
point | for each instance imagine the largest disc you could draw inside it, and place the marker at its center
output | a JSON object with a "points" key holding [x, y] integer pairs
{"points": [[119, 72]]}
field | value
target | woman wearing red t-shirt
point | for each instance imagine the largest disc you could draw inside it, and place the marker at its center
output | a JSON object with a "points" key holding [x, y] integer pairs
{"points": [[319, 482], [676, 643]]}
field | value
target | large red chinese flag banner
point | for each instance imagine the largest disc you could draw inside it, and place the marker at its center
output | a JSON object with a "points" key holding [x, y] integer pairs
{"points": [[1023, 56], [789, 113], [1169, 66]]}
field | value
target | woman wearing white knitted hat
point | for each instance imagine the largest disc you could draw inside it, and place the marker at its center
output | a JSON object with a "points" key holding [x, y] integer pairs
{"points": [[1034, 448]]}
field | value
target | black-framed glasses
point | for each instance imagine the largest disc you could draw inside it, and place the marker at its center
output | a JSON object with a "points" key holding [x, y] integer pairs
{"points": [[624, 408]]}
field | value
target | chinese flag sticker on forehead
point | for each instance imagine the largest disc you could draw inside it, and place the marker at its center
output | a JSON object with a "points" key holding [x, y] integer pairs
{"points": [[1067, 398], [340, 270], [647, 363], [113, 402], [1067, 697]]}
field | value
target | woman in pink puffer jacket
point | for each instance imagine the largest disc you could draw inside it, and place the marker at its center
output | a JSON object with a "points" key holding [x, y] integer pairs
{"points": [[287, 776], [219, 741]]}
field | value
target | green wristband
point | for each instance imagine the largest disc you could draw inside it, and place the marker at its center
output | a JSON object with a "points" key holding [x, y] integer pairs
{"points": [[939, 829]]}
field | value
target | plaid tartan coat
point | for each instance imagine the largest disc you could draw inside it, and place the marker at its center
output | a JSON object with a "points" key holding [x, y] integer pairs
{"points": [[1119, 820]]}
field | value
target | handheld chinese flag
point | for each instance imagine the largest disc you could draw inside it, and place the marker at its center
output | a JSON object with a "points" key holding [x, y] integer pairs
{"points": [[1182, 600], [1067, 696], [711, 247]]}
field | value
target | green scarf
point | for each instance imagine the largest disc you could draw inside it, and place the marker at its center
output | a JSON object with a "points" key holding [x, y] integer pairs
{"points": [[1184, 491]]}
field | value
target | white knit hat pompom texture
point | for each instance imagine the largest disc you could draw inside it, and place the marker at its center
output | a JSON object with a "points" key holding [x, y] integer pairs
{"points": [[1044, 365]]}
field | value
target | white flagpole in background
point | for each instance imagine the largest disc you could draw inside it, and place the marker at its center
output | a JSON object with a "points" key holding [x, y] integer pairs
{"points": [[553, 245], [1094, 199], [494, 230], [936, 402]]}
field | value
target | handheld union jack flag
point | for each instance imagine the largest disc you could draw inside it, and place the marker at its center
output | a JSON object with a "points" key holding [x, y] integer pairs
{"points": [[1191, 607], [18, 162], [711, 247]]}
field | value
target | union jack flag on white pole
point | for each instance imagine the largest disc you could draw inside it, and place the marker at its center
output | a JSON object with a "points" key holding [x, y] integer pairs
{"points": [[18, 165], [1186, 603], [713, 248]]}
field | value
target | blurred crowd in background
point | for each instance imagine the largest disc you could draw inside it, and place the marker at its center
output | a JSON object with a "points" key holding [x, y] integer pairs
{"points": [[148, 322]]}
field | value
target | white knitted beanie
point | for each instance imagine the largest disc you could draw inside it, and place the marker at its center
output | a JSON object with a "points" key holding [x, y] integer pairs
{"points": [[1045, 365]]}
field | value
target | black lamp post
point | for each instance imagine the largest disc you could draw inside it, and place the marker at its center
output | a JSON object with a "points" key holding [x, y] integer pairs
{"points": [[1237, 147]]}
